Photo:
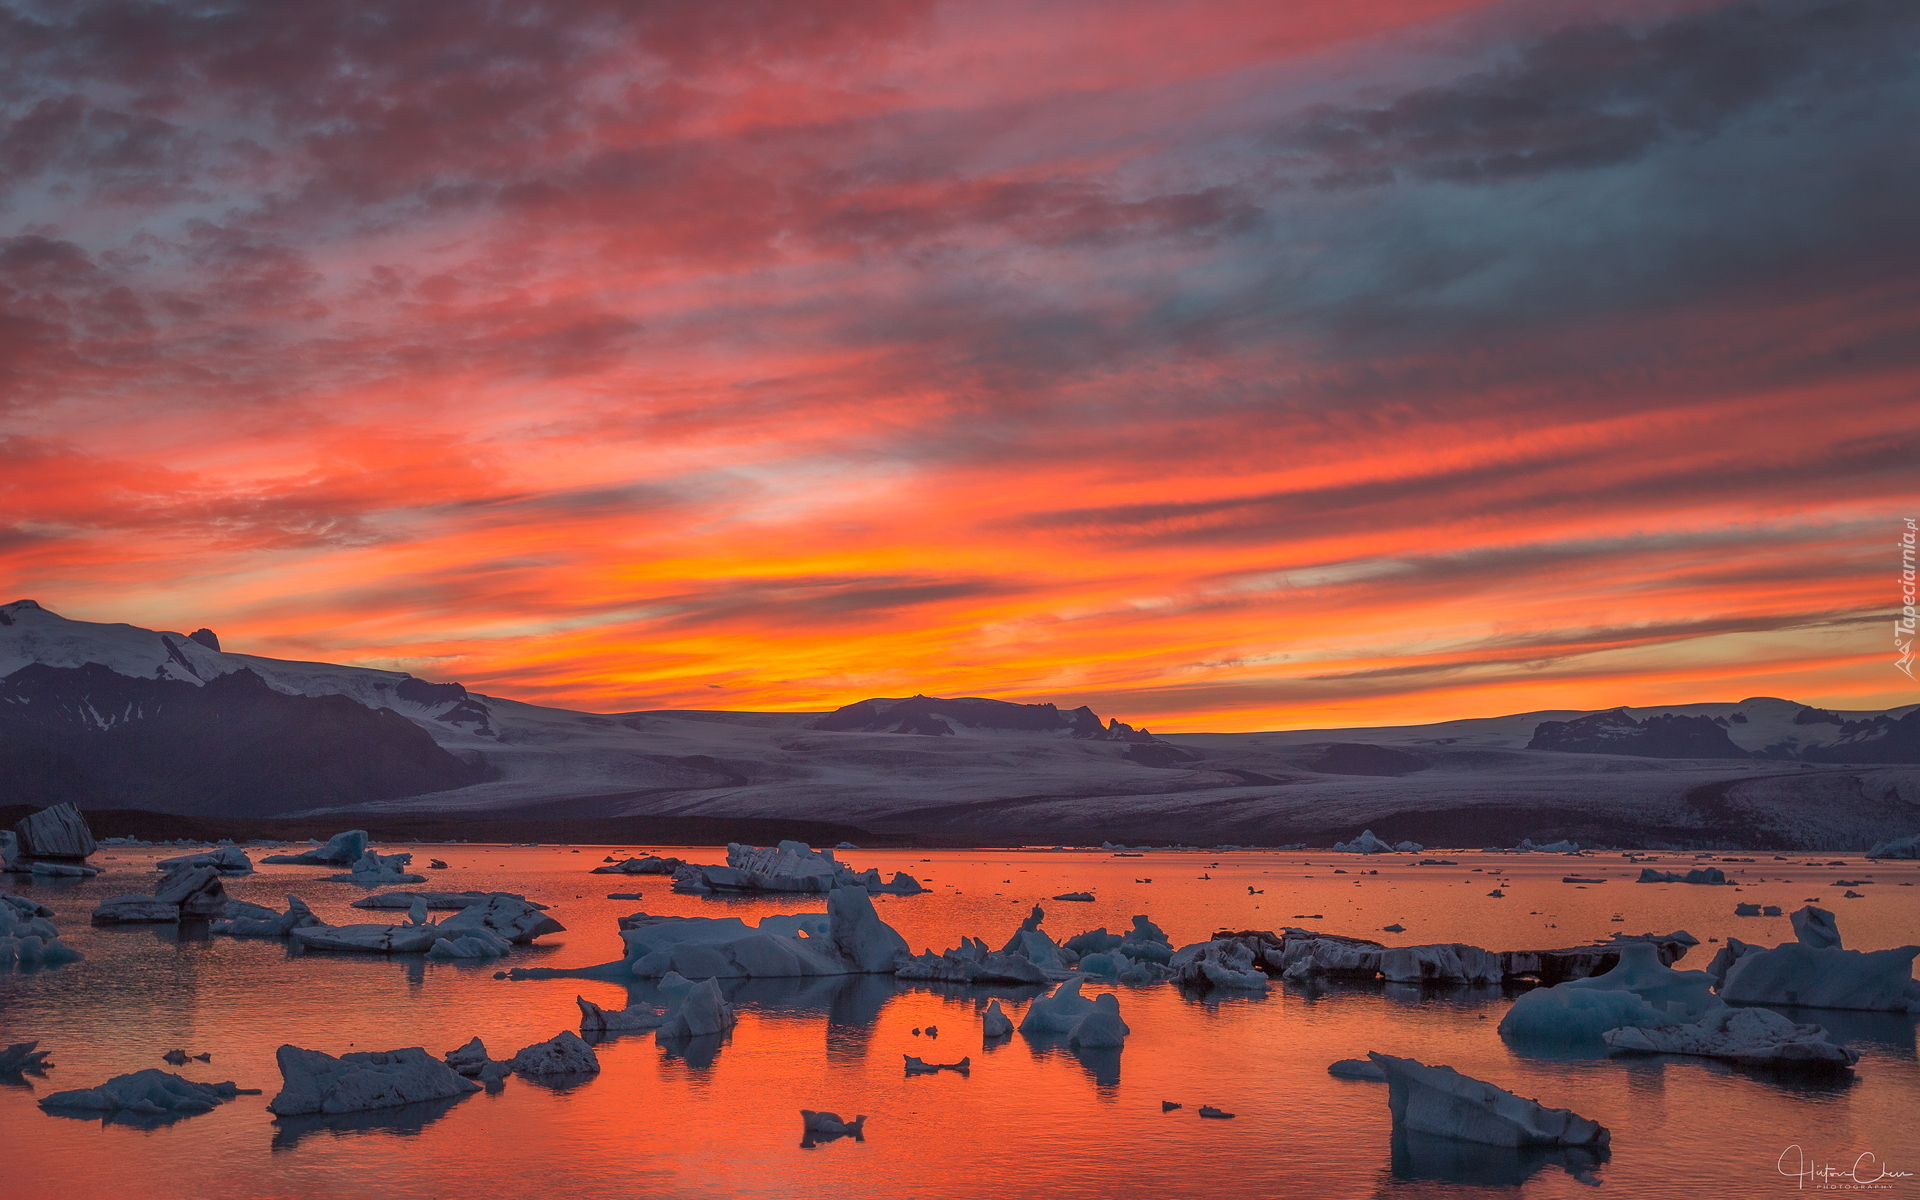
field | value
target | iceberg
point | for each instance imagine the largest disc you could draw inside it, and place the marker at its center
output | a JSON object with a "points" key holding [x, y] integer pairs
{"points": [[27, 934], [1217, 1114], [1815, 927], [827, 1127], [316, 1082], [917, 1066], [149, 1093], [1032, 943], [228, 860], [995, 1023], [371, 939], [22, 1059], [478, 943], [652, 864], [860, 936], [1366, 843], [254, 920], [700, 1012], [1440, 1101], [1080, 897], [1228, 963], [434, 900], [58, 832], [1751, 1037], [789, 867], [971, 962], [341, 850], [1446, 963], [1564, 1016], [594, 1019], [562, 1054], [472, 1062], [1825, 977], [1707, 875], [1563, 846], [1101, 1028], [506, 915], [1907, 847], [1059, 1013], [184, 892], [1357, 1068], [376, 870]]}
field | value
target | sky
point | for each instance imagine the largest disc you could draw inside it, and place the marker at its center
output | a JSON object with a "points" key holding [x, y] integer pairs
{"points": [[1223, 365]]}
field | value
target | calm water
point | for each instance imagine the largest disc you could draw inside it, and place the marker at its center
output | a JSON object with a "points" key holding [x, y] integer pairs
{"points": [[1030, 1121]]}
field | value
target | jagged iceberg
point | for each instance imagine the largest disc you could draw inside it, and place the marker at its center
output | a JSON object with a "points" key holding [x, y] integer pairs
{"points": [[193, 891], [1230, 963], [1101, 1028], [1446, 963], [1366, 843], [1440, 1101], [472, 1062], [789, 867], [994, 1023], [702, 1011], [317, 1082], [594, 1019], [1816, 972], [373, 869], [246, 919]]}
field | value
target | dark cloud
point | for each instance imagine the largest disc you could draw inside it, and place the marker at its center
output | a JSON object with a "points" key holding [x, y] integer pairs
{"points": [[1602, 94]]}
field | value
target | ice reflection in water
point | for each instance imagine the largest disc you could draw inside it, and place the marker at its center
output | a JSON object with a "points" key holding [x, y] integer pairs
{"points": [[715, 1117]]}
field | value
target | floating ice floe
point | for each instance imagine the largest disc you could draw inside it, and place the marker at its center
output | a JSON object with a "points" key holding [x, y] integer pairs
{"points": [[789, 867], [512, 917], [1752, 1037], [27, 934], [594, 1019], [1453, 962], [317, 1082], [22, 1059], [1215, 1114], [244, 919], [917, 1066], [184, 892], [1707, 875], [472, 1062], [228, 860], [1816, 972], [1907, 847], [994, 1023], [149, 1093], [1440, 1101], [1227, 963], [702, 1011], [1078, 897], [826, 1127], [562, 1054], [652, 864], [341, 850], [374, 869], [1357, 1068]]}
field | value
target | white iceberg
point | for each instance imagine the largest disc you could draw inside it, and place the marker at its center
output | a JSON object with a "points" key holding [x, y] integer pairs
{"points": [[1825, 977], [316, 1082], [702, 1011], [1442, 1102], [860, 936], [1101, 1028], [341, 850], [1229, 963], [594, 1019], [1366, 843], [28, 936], [994, 1023], [1032, 943], [1059, 1013], [1565, 1016], [149, 1093], [970, 963], [1753, 1037], [516, 919], [376, 870], [1445, 963], [1815, 927], [228, 860], [244, 919], [562, 1054]]}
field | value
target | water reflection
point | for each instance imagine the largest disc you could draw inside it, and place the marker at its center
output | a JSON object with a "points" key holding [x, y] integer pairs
{"points": [[1419, 1156], [403, 1120], [698, 1053]]}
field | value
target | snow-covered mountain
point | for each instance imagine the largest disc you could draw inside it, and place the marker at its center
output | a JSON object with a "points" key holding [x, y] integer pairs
{"points": [[171, 721]]}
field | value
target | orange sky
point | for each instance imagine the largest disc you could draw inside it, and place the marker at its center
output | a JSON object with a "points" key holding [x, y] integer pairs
{"points": [[1228, 366]]}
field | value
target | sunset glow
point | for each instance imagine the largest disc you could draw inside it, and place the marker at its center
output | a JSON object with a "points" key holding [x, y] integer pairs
{"points": [[1224, 366]]}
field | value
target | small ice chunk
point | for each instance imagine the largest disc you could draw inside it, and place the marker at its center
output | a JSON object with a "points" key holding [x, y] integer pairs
{"points": [[316, 1082], [1101, 1028], [594, 1019], [562, 1054], [917, 1066], [148, 1093], [994, 1023], [1207, 1110]]}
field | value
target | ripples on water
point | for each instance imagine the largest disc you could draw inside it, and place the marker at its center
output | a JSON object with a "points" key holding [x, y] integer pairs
{"points": [[719, 1117]]}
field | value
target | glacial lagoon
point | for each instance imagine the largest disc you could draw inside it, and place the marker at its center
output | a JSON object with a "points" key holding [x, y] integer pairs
{"points": [[720, 1117]]}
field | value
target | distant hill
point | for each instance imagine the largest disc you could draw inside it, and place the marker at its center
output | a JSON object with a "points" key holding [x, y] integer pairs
{"points": [[121, 716]]}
